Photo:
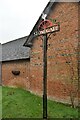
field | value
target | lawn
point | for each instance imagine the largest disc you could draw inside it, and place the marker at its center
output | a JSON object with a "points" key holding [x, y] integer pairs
{"points": [[18, 103], [0, 102]]}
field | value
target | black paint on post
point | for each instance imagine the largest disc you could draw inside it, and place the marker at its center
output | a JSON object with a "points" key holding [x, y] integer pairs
{"points": [[45, 76]]}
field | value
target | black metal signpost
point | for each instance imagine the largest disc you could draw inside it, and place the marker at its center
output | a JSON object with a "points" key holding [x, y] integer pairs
{"points": [[45, 76], [45, 28]]}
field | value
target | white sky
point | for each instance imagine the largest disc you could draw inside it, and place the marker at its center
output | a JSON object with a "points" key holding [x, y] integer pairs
{"points": [[18, 17]]}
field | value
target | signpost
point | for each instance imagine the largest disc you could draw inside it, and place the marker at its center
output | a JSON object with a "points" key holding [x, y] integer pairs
{"points": [[45, 76], [45, 28]]}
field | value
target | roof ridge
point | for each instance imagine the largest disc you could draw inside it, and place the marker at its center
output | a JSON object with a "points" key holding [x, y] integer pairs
{"points": [[15, 40]]}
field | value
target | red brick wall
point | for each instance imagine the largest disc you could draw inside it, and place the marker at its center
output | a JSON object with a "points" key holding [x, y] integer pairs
{"points": [[21, 80], [62, 55], [36, 67]]}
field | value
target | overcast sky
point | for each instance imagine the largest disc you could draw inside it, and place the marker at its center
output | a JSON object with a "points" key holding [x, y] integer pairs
{"points": [[18, 17]]}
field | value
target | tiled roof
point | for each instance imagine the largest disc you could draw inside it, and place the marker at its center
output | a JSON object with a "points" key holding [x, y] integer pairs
{"points": [[14, 50]]}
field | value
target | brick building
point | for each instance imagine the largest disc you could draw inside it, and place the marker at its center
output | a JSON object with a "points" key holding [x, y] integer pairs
{"points": [[62, 54], [0, 62], [62, 75], [15, 64]]}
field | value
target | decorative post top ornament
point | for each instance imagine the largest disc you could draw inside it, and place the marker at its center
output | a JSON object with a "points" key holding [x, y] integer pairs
{"points": [[44, 16], [47, 26]]}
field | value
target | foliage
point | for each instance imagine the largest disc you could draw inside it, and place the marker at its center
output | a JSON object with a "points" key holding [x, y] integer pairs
{"points": [[54, 21], [0, 102]]}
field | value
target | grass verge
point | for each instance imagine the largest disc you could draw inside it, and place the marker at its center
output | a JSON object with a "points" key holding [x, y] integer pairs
{"points": [[18, 103], [0, 102]]}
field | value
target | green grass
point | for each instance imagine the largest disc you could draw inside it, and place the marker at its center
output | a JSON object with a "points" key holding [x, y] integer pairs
{"points": [[18, 103], [0, 102]]}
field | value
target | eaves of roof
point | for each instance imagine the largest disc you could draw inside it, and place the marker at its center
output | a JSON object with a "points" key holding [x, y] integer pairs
{"points": [[47, 10]]}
